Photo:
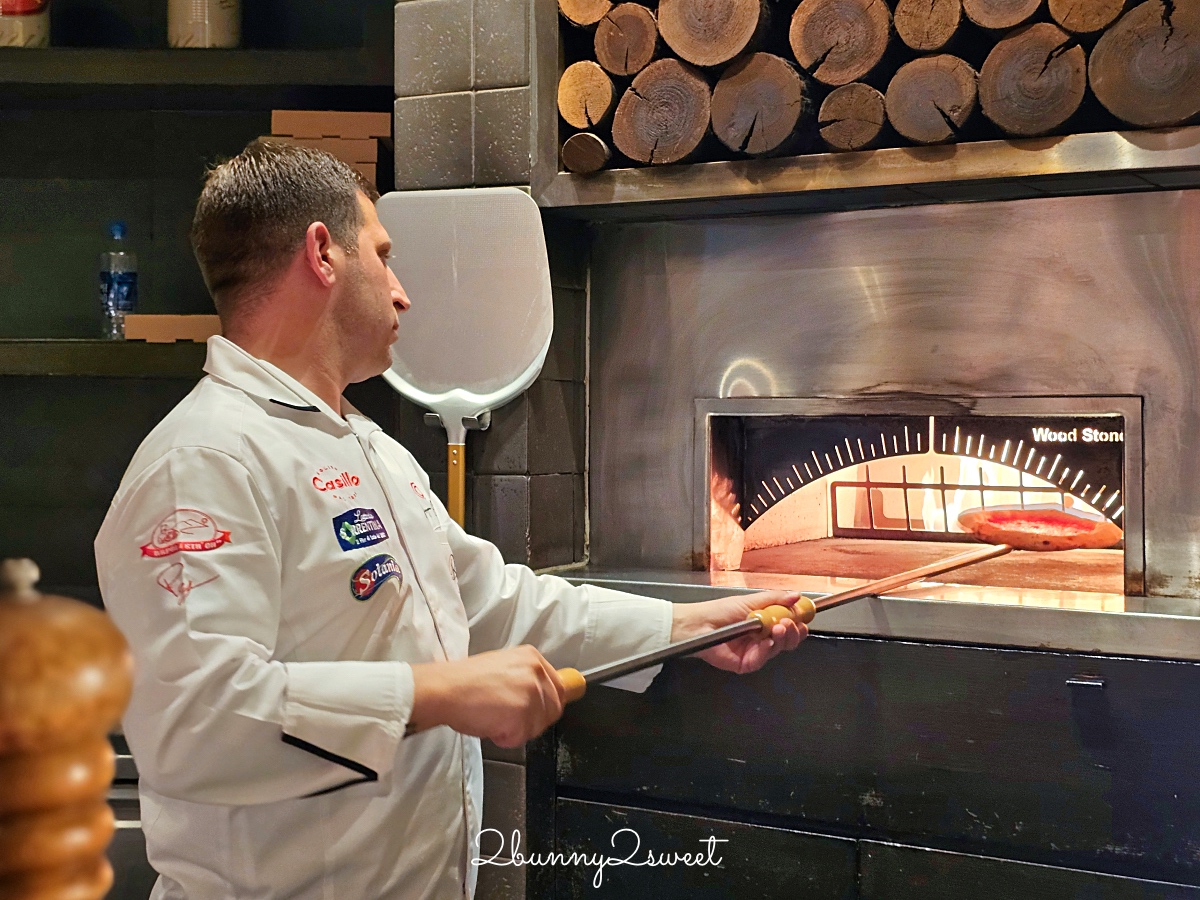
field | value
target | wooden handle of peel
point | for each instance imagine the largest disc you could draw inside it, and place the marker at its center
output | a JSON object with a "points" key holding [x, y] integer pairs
{"points": [[456, 482], [574, 683], [803, 611]]}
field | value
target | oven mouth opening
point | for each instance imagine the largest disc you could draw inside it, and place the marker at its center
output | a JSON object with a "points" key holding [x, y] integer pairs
{"points": [[809, 502]]}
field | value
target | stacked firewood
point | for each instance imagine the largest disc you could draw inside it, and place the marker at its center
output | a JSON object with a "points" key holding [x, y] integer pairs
{"points": [[691, 80]]}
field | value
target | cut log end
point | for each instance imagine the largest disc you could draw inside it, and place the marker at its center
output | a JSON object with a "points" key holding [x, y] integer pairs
{"points": [[626, 39], [1086, 17], [852, 117], [999, 15], [711, 32], [584, 13], [757, 104], [1033, 80], [840, 41], [1145, 69], [585, 95], [927, 26], [930, 99], [664, 115], [585, 153]]}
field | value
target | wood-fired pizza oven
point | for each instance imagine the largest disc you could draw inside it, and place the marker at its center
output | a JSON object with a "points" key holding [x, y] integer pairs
{"points": [[867, 488]]}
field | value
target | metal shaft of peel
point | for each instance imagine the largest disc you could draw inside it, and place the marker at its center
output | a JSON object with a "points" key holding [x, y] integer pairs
{"points": [[628, 666], [903, 579], [632, 664]]}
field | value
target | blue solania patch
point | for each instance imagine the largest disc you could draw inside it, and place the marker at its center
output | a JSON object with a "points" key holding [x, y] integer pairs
{"points": [[370, 576], [357, 528]]}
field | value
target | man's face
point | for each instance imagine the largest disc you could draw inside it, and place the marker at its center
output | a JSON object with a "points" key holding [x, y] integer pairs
{"points": [[373, 298]]}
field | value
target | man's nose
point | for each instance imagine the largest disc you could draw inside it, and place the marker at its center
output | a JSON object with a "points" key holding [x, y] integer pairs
{"points": [[398, 295]]}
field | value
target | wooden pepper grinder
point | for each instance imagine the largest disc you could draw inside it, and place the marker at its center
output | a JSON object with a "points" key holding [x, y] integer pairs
{"points": [[65, 677]]}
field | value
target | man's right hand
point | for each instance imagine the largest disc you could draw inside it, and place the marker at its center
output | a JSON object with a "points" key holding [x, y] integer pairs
{"points": [[508, 696]]}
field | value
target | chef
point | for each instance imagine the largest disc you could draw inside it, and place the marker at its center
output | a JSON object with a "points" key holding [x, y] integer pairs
{"points": [[319, 647]]}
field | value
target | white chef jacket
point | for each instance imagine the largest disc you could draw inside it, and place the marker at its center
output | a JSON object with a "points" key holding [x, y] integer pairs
{"points": [[276, 568]]}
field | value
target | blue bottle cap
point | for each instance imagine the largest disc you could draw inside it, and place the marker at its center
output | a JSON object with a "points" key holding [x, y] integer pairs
{"points": [[117, 230]]}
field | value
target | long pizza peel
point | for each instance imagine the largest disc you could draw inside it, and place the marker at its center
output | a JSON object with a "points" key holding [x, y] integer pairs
{"points": [[764, 620], [473, 262]]}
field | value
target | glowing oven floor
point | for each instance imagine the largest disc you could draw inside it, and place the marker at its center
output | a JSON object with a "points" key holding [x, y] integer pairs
{"points": [[1096, 571]]}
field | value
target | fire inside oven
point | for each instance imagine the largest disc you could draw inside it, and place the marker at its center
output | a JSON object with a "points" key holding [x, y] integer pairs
{"points": [[867, 496]]}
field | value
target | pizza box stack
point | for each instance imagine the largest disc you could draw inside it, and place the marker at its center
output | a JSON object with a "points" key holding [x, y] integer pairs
{"points": [[353, 137]]}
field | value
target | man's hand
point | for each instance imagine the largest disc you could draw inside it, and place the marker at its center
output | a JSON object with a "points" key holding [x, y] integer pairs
{"points": [[508, 696], [745, 654]]}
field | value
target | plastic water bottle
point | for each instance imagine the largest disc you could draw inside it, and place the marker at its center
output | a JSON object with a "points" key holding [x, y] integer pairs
{"points": [[118, 282]]}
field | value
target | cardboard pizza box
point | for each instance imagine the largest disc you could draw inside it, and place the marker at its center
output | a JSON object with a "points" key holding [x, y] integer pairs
{"points": [[168, 329], [306, 123]]}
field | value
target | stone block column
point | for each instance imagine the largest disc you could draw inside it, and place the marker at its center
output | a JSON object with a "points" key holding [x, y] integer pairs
{"points": [[463, 119], [462, 93]]}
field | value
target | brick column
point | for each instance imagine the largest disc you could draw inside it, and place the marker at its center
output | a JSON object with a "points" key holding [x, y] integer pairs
{"points": [[462, 119], [462, 93]]}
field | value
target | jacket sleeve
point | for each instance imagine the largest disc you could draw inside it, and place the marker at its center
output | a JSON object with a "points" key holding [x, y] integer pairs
{"points": [[189, 564], [572, 625]]}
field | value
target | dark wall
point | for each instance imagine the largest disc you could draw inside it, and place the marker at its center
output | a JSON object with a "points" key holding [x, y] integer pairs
{"points": [[64, 444]]}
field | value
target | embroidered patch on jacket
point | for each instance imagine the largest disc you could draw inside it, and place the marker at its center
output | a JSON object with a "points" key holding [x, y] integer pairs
{"points": [[417, 490], [339, 484], [185, 530], [370, 576], [357, 528], [175, 580]]}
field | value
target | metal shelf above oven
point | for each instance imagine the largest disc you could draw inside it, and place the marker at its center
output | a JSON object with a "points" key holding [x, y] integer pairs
{"points": [[1101, 162]]}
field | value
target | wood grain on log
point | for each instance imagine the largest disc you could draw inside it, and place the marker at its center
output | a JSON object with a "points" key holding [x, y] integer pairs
{"points": [[999, 15], [711, 32], [927, 25], [665, 113], [852, 117], [1033, 80], [1146, 68], [757, 104], [840, 41], [626, 39], [930, 99], [1086, 16], [585, 153], [584, 13], [585, 95]]}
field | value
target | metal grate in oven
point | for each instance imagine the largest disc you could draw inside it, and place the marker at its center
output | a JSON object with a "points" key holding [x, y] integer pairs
{"points": [[939, 529]]}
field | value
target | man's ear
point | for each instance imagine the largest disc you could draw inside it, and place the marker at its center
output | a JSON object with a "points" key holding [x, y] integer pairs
{"points": [[319, 249]]}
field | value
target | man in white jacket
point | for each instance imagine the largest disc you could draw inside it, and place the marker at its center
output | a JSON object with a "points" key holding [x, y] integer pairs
{"points": [[297, 599]]}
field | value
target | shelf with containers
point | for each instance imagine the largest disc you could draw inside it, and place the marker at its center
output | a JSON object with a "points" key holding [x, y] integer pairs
{"points": [[83, 357], [108, 124]]}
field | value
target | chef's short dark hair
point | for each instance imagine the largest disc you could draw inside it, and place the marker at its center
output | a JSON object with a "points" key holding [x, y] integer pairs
{"points": [[255, 209]]}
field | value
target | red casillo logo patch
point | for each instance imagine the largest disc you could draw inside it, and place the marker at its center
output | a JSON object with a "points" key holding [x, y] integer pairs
{"points": [[336, 483], [185, 530]]}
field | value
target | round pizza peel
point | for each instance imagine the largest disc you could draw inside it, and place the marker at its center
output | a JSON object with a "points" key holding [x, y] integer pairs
{"points": [[473, 262]]}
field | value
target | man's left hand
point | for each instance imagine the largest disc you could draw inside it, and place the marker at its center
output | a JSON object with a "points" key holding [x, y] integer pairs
{"points": [[749, 652]]}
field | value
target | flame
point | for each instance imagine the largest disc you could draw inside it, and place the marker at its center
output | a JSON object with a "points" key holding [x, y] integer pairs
{"points": [[931, 515]]}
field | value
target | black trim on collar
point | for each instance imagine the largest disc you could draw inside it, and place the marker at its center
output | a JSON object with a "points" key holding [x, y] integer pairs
{"points": [[368, 774], [295, 407]]}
